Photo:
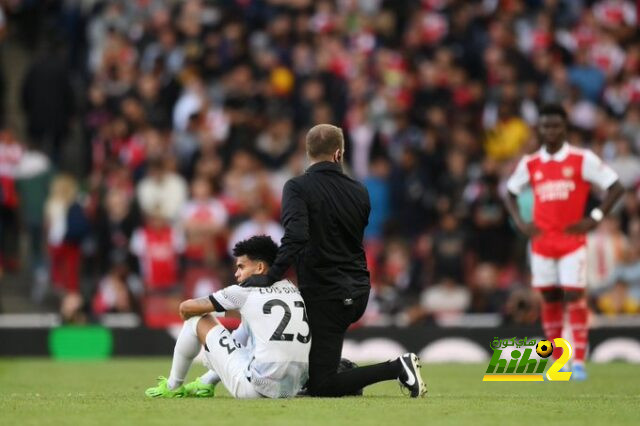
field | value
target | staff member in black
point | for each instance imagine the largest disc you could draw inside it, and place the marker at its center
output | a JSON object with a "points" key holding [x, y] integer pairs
{"points": [[324, 213]]}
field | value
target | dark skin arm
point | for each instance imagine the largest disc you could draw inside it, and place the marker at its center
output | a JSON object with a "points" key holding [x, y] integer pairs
{"points": [[528, 229], [614, 192]]}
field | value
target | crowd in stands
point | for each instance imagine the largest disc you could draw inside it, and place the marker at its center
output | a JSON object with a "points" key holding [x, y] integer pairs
{"points": [[192, 115]]}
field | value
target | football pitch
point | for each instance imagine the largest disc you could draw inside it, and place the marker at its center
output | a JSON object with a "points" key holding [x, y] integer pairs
{"points": [[46, 392]]}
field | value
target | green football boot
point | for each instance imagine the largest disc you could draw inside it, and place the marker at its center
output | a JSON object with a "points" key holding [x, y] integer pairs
{"points": [[163, 391], [199, 389]]}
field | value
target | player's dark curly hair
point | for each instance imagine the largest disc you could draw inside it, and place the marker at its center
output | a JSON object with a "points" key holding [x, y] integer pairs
{"points": [[259, 247], [553, 109]]}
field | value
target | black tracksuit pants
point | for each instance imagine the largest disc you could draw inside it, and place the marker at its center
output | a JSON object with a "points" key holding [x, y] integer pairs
{"points": [[329, 320]]}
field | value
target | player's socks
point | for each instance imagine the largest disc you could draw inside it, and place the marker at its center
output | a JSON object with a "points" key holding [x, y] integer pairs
{"points": [[351, 381], [186, 349], [578, 316], [552, 320], [210, 378]]}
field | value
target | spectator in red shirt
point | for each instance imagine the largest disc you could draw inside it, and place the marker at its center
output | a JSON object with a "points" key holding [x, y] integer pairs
{"points": [[158, 246]]}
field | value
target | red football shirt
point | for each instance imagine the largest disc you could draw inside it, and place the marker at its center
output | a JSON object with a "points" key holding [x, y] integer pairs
{"points": [[158, 251], [560, 184]]}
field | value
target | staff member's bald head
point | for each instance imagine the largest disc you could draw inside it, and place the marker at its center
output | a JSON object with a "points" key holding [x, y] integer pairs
{"points": [[325, 143]]}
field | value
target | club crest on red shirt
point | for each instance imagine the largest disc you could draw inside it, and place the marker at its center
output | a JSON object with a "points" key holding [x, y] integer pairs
{"points": [[567, 172]]}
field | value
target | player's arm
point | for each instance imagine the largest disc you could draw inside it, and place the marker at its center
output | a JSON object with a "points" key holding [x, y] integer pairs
{"points": [[229, 298], [295, 219], [613, 194], [196, 307], [527, 228], [599, 174], [516, 183]]}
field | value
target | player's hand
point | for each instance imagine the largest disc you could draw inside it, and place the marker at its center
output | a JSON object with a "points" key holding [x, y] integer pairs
{"points": [[184, 310], [528, 229], [582, 227], [257, 281]]}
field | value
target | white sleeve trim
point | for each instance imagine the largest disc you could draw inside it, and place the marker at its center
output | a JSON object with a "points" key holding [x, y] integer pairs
{"points": [[596, 172], [520, 177], [232, 297]]}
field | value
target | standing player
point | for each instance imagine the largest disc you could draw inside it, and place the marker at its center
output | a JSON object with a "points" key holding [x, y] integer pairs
{"points": [[268, 356], [561, 177]]}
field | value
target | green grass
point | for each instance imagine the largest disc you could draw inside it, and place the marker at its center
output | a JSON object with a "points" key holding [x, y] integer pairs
{"points": [[40, 391]]}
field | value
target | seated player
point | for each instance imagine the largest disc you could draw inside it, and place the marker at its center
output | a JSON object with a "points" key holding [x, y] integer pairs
{"points": [[267, 356]]}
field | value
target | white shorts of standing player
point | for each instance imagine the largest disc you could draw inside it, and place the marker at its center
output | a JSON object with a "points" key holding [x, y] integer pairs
{"points": [[568, 272]]}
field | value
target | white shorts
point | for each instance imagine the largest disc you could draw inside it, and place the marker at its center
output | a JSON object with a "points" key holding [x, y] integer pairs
{"points": [[568, 272], [230, 361]]}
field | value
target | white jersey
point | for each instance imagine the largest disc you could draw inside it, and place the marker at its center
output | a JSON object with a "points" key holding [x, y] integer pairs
{"points": [[278, 334]]}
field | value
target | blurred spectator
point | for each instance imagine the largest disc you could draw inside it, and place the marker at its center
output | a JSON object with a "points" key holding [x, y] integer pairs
{"points": [[449, 249], [626, 164], [116, 221], [158, 245], [34, 177], [3, 85], [162, 191], [493, 237], [522, 306], [246, 184], [71, 309], [276, 144], [203, 219], [628, 270], [377, 184], [452, 183], [618, 300], [396, 285], [118, 291], [587, 77], [630, 211], [260, 223], [11, 153], [48, 101], [67, 226], [487, 296], [445, 300], [508, 136], [606, 246], [413, 196]]}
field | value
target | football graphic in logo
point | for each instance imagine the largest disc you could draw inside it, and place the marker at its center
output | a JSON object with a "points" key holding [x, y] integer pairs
{"points": [[544, 348]]}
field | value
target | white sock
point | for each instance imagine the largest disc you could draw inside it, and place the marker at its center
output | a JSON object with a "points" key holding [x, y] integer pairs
{"points": [[210, 378], [187, 348]]}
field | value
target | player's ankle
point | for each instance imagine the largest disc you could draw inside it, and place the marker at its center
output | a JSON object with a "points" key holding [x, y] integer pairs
{"points": [[397, 365]]}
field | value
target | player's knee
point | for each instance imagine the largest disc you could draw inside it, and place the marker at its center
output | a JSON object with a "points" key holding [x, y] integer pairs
{"points": [[574, 296], [553, 295], [192, 323], [319, 390], [204, 326]]}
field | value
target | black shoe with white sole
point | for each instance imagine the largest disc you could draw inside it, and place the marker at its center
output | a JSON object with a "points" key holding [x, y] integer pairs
{"points": [[410, 377]]}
